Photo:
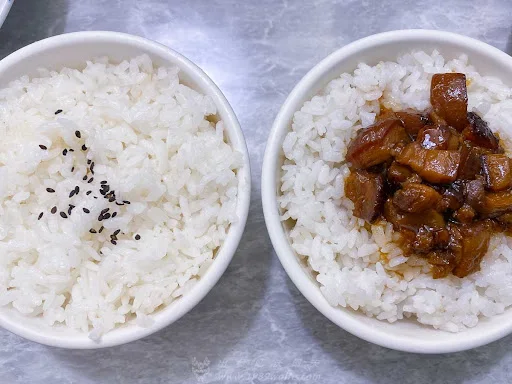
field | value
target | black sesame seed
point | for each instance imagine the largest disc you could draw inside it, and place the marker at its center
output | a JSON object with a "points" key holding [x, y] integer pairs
{"points": [[104, 211], [69, 211], [114, 214], [71, 150], [103, 192], [86, 210], [92, 230], [50, 190], [88, 193], [58, 111], [106, 216], [137, 237], [63, 215], [89, 162], [84, 178], [117, 232], [126, 202], [77, 189], [72, 193], [64, 152], [112, 199], [54, 210], [113, 242], [43, 147], [40, 215], [95, 197], [71, 205], [84, 148], [72, 169], [78, 134], [103, 182], [90, 180], [92, 168], [118, 203], [101, 229]]}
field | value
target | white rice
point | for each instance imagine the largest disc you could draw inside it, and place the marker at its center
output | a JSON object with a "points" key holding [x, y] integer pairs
{"points": [[364, 269], [151, 138]]}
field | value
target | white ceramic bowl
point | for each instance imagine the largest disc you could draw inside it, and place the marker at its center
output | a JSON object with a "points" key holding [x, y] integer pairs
{"points": [[403, 335], [5, 7], [72, 50]]}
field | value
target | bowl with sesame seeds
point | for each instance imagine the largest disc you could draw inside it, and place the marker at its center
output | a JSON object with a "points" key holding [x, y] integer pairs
{"points": [[124, 188]]}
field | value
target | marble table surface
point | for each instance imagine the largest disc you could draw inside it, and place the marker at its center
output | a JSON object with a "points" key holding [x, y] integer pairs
{"points": [[254, 326]]}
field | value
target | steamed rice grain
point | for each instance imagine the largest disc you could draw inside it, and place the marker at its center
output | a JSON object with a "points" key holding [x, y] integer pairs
{"points": [[158, 145], [362, 268]]}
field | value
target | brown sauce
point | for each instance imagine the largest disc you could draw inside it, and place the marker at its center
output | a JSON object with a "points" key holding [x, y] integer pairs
{"points": [[439, 176]]}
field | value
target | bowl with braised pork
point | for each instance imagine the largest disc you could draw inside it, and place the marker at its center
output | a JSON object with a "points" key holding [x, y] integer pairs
{"points": [[387, 190]]}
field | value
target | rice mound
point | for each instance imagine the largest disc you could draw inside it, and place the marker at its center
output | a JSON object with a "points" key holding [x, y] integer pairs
{"points": [[360, 266], [155, 142]]}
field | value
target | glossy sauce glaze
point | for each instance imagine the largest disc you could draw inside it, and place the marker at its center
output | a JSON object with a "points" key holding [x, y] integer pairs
{"points": [[439, 176]]}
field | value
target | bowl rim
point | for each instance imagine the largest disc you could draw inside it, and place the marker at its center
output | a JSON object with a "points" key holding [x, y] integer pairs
{"points": [[5, 7], [177, 309], [311, 290]]}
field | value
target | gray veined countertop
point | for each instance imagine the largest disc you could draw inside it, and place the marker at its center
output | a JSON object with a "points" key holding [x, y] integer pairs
{"points": [[254, 326]]}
